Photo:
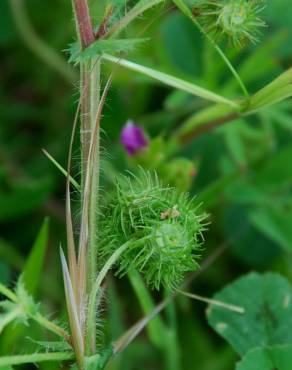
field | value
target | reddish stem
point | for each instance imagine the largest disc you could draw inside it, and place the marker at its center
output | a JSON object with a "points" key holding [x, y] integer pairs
{"points": [[84, 22]]}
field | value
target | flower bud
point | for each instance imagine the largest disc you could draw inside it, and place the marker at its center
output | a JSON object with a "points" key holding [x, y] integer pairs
{"points": [[133, 138]]}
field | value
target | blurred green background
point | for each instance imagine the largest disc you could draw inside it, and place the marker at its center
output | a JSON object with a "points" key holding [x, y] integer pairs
{"points": [[243, 170]]}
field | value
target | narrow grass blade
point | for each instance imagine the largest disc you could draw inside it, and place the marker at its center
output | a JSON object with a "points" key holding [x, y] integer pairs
{"points": [[136, 329], [92, 307], [76, 331], [62, 169], [34, 264], [172, 81], [69, 225]]}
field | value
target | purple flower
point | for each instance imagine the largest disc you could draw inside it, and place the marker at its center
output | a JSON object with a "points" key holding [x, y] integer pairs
{"points": [[133, 138]]}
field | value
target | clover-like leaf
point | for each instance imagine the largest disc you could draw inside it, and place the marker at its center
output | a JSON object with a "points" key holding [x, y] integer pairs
{"points": [[267, 320], [267, 358]]}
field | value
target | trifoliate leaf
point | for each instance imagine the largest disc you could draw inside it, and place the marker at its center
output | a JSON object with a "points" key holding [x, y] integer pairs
{"points": [[102, 46], [267, 358], [267, 321]]}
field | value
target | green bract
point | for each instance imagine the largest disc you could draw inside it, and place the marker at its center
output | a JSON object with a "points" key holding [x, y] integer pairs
{"points": [[237, 19], [163, 225]]}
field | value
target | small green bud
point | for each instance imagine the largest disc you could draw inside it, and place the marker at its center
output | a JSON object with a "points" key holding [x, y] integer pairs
{"points": [[162, 225]]}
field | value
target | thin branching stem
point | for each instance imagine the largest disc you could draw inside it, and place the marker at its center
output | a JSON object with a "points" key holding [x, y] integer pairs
{"points": [[184, 8], [213, 302]]}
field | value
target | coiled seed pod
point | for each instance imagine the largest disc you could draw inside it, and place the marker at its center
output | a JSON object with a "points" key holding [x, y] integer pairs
{"points": [[164, 228], [237, 19]]}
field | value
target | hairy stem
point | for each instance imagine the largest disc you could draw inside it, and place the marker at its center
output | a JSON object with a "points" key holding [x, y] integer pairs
{"points": [[83, 23], [132, 14], [90, 75]]}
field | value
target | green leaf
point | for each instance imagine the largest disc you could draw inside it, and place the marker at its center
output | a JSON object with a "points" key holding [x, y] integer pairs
{"points": [[267, 358], [276, 91], [99, 361], [53, 346], [268, 312], [156, 328], [102, 46], [34, 264], [275, 173], [11, 312], [92, 362], [172, 81], [35, 358], [204, 117], [10, 255], [22, 199], [275, 223]]}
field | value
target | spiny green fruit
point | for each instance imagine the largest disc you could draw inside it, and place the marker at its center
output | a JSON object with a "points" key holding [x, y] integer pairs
{"points": [[163, 226], [237, 19]]}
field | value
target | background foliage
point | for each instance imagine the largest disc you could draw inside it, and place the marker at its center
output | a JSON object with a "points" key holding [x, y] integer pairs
{"points": [[242, 174]]}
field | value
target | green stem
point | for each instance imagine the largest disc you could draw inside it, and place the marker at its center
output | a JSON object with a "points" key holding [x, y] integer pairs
{"points": [[90, 99], [132, 14], [94, 194], [35, 358], [184, 8], [172, 349], [51, 326], [156, 328], [213, 302], [48, 55], [10, 317], [8, 293], [91, 315]]}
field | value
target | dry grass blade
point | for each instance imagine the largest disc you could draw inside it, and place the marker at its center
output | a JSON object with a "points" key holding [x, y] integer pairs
{"points": [[76, 332], [213, 302], [136, 329], [91, 166], [69, 224]]}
